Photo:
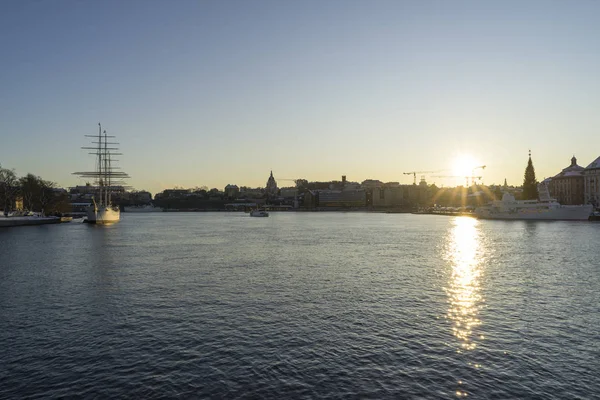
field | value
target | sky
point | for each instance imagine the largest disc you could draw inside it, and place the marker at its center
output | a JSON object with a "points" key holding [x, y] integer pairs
{"points": [[208, 93]]}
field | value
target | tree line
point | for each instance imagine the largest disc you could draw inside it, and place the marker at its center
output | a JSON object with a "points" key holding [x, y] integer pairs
{"points": [[36, 193]]}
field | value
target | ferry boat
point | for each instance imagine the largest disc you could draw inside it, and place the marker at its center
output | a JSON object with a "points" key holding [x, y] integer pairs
{"points": [[102, 210], [545, 208]]}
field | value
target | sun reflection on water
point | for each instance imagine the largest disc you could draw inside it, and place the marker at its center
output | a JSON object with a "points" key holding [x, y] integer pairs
{"points": [[464, 292]]}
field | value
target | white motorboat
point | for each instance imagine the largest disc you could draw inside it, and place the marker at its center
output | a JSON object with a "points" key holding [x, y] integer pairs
{"points": [[259, 213], [545, 208], [102, 210]]}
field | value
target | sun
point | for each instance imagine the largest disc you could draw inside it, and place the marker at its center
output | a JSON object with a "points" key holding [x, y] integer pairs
{"points": [[463, 165]]}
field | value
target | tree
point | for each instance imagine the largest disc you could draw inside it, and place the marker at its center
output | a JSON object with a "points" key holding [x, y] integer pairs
{"points": [[60, 203], [530, 191], [47, 195], [9, 188], [30, 190]]}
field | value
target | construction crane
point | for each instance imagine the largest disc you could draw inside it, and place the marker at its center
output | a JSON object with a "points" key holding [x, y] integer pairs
{"points": [[473, 173], [459, 177], [414, 174]]}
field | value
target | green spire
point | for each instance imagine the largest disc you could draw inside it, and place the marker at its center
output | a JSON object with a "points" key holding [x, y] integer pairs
{"points": [[530, 191]]}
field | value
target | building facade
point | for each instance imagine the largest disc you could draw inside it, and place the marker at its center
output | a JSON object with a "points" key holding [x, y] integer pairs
{"points": [[340, 198], [568, 186], [591, 183], [389, 197], [400, 196]]}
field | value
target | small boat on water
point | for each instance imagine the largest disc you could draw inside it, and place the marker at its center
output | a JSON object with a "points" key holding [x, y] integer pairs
{"points": [[259, 213], [106, 177]]}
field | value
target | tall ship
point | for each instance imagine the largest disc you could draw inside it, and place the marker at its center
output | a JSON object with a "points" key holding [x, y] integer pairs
{"points": [[545, 208], [106, 179]]}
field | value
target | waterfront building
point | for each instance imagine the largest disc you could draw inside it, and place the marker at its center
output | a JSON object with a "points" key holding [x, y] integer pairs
{"points": [[231, 191], [175, 193], [568, 186], [288, 192], [591, 181], [400, 196], [251, 193], [310, 199], [335, 198], [271, 186], [389, 197]]}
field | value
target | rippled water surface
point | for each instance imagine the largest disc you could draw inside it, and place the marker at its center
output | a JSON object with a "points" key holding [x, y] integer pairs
{"points": [[301, 305]]}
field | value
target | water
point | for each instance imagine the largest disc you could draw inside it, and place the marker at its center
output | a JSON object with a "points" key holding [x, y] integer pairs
{"points": [[301, 305]]}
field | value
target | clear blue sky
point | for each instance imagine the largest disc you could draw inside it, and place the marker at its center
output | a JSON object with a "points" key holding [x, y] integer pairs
{"points": [[217, 92]]}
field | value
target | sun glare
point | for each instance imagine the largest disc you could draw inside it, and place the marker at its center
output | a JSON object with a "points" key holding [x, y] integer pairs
{"points": [[463, 165]]}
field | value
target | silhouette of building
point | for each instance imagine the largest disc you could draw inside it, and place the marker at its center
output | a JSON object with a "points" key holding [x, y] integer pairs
{"points": [[567, 186], [340, 198], [371, 183], [400, 195], [591, 183], [271, 188]]}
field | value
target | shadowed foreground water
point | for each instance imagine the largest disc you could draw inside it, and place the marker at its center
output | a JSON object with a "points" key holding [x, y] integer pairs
{"points": [[301, 305]]}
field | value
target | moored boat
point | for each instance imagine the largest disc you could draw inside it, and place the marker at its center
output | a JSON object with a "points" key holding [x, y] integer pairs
{"points": [[102, 210]]}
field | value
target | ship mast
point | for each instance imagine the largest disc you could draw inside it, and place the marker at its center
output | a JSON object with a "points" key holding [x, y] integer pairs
{"points": [[105, 175], [100, 182]]}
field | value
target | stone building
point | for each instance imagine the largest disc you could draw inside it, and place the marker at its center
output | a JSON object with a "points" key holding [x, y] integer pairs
{"points": [[567, 187], [591, 182]]}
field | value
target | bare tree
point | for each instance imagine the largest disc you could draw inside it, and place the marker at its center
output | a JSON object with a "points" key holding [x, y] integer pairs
{"points": [[46, 194], [9, 188], [30, 189]]}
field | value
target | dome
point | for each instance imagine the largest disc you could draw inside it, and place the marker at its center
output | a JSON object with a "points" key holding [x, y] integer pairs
{"points": [[271, 184], [572, 170]]}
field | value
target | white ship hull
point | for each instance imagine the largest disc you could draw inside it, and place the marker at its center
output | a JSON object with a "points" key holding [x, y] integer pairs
{"points": [[103, 215], [561, 213]]}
